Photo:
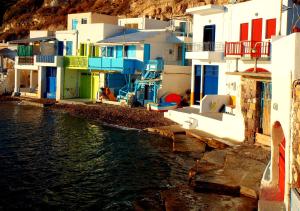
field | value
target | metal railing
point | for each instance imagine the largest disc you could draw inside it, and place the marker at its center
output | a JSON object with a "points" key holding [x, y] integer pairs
{"points": [[45, 59], [205, 46], [248, 49], [25, 60]]}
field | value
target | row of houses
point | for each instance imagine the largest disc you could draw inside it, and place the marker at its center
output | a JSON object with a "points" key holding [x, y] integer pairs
{"points": [[103, 55], [240, 63]]}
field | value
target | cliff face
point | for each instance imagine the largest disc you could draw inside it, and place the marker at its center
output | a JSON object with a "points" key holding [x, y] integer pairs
{"points": [[20, 16]]}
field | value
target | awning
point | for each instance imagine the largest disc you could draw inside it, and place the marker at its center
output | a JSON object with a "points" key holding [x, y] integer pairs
{"points": [[30, 40], [8, 53]]}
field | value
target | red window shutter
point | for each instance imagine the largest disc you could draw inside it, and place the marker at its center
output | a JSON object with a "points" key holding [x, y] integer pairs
{"points": [[244, 31], [270, 28]]}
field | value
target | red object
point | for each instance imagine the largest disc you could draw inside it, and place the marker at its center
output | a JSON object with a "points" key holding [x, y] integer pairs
{"points": [[244, 48], [256, 38], [258, 70], [282, 168], [270, 28], [173, 98], [296, 29], [244, 31]]}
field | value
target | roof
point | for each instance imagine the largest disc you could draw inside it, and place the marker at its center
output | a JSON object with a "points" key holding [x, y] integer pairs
{"points": [[130, 37], [8, 53], [134, 36], [29, 40]]}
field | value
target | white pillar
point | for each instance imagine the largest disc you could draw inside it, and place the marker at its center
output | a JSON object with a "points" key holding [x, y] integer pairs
{"points": [[17, 81], [41, 81], [59, 83], [31, 80]]}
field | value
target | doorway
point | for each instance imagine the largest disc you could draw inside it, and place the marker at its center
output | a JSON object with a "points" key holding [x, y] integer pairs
{"points": [[209, 35]]}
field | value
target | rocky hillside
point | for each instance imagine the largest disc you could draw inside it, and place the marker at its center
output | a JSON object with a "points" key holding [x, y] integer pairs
{"points": [[20, 16]]}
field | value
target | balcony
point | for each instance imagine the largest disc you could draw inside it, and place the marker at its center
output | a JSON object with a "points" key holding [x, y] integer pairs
{"points": [[48, 60], [248, 50], [110, 64], [25, 60], [154, 65], [206, 51], [76, 62]]}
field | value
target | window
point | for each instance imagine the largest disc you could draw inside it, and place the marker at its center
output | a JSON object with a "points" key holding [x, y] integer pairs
{"points": [[244, 32], [74, 24], [110, 52], [84, 21], [270, 28], [130, 51]]}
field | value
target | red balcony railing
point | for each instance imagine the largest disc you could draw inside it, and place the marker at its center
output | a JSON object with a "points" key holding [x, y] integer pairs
{"points": [[251, 49]]}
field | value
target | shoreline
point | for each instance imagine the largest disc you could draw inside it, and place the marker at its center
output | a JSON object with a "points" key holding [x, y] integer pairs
{"points": [[111, 115], [215, 168]]}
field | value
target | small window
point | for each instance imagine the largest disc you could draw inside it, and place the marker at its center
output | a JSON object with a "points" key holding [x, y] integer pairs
{"points": [[171, 51], [84, 21]]}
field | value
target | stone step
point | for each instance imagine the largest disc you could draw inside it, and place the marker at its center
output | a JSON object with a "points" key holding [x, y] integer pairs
{"points": [[210, 140], [182, 143], [216, 182]]}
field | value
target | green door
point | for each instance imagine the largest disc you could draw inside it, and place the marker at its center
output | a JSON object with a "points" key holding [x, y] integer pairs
{"points": [[85, 86]]}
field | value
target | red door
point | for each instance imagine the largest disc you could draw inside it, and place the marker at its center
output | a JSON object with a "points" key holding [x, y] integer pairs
{"points": [[243, 37], [256, 37], [282, 168]]}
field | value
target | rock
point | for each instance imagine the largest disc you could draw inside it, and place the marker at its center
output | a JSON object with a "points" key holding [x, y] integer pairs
{"points": [[182, 143], [209, 139], [183, 198]]}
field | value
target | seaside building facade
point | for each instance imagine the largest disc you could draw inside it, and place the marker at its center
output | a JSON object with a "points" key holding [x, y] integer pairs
{"points": [[232, 67]]}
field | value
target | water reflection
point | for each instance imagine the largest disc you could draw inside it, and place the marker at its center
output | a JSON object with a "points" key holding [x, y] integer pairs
{"points": [[53, 161]]}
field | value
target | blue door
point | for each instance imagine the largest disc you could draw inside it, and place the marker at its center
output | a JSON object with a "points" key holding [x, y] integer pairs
{"points": [[211, 79], [60, 49], [51, 82], [119, 52], [69, 48], [197, 85], [147, 49]]}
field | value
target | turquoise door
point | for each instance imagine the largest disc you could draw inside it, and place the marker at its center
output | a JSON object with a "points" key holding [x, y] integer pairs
{"points": [[211, 79], [147, 49], [69, 46], [119, 52], [74, 24]]}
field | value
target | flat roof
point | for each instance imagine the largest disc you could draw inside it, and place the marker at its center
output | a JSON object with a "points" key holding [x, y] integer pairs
{"points": [[206, 10], [29, 40]]}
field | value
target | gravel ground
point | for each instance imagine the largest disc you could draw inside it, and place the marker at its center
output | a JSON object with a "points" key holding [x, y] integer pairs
{"points": [[139, 118]]}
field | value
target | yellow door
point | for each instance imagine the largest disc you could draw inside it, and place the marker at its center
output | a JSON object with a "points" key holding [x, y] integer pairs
{"points": [[95, 86]]}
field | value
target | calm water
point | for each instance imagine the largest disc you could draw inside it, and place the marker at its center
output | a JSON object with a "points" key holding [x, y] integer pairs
{"points": [[51, 161]]}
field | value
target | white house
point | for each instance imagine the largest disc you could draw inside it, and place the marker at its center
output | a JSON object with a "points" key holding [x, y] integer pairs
{"points": [[281, 181], [231, 68]]}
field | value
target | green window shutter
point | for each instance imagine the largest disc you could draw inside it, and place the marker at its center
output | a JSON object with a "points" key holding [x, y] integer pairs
{"points": [[91, 52], [97, 51]]}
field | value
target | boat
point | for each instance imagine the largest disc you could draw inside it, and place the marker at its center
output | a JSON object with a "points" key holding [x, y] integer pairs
{"points": [[163, 107]]}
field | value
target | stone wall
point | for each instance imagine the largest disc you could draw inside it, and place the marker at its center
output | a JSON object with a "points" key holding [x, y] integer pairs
{"points": [[296, 138], [250, 107]]}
